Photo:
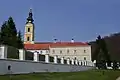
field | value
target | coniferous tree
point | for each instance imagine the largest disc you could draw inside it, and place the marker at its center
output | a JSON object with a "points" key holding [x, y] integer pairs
{"points": [[102, 46], [12, 27], [8, 34], [4, 34], [101, 54], [12, 31], [19, 41]]}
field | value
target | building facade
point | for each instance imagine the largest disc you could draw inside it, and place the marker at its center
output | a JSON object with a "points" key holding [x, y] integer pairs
{"points": [[72, 52], [71, 49]]}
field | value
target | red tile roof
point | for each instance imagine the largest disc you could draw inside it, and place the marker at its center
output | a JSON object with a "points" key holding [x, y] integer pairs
{"points": [[46, 45]]}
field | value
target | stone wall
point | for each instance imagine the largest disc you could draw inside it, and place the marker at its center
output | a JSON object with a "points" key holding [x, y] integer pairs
{"points": [[18, 67]]}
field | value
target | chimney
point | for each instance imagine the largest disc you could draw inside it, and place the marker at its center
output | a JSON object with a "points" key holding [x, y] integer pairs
{"points": [[72, 40]]}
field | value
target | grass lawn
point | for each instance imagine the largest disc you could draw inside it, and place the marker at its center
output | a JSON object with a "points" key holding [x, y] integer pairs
{"points": [[84, 75]]}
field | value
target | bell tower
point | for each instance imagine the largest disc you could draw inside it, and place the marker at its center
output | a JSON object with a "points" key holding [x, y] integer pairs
{"points": [[29, 29]]}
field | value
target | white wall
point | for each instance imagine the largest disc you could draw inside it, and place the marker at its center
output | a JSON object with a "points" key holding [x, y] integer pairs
{"points": [[22, 66], [79, 54], [18, 67]]}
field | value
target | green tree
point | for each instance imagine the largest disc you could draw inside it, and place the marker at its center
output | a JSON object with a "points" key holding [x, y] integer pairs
{"points": [[4, 34], [115, 65], [19, 41], [101, 53], [12, 31], [8, 34], [11, 25]]}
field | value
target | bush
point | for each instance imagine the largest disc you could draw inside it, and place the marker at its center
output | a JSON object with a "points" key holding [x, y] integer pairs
{"points": [[101, 64], [115, 65], [109, 63]]}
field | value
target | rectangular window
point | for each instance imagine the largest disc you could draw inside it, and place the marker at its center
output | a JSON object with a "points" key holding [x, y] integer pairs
{"points": [[75, 51], [84, 58], [53, 51], [60, 52], [28, 39], [84, 51], [67, 51]]}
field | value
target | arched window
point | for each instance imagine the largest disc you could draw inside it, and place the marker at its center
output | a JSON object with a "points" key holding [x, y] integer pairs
{"points": [[36, 52], [28, 30]]}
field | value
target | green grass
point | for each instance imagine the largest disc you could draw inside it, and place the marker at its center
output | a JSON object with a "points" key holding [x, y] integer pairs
{"points": [[84, 75]]}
